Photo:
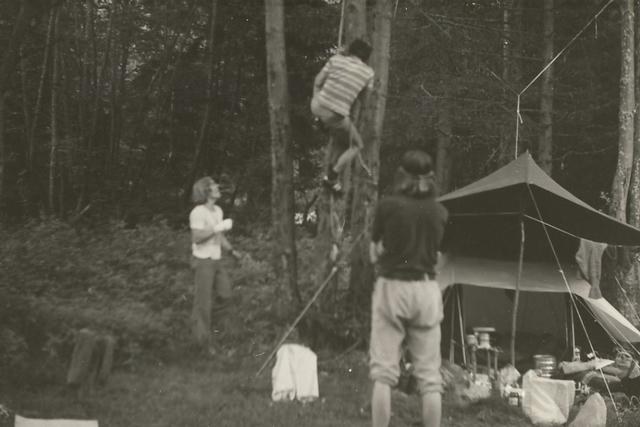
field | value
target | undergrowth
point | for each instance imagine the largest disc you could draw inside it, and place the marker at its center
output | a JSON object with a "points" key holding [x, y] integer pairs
{"points": [[135, 284]]}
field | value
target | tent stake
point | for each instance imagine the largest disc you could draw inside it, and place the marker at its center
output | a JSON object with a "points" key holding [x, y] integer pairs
{"points": [[517, 296]]}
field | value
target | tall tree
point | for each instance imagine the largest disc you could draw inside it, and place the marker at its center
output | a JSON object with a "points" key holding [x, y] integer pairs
{"points": [[625, 267], [206, 118], [282, 201], [118, 74], [365, 190], [9, 59], [333, 213], [33, 124], [622, 176], [53, 149], [545, 139], [505, 149], [444, 132], [634, 186]]}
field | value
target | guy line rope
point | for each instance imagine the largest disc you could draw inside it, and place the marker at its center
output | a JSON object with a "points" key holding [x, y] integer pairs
{"points": [[546, 67]]}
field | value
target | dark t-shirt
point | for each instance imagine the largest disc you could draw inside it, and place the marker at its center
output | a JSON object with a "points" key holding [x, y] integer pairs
{"points": [[411, 231]]}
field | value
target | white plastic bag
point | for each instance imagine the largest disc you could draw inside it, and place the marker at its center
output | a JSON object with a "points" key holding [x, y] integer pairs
{"points": [[592, 414], [507, 376], [546, 401], [295, 374]]}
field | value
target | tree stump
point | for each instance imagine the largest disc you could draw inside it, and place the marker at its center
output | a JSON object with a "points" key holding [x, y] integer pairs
{"points": [[91, 361]]}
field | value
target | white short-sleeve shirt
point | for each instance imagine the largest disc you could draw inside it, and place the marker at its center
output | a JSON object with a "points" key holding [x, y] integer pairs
{"points": [[202, 218]]}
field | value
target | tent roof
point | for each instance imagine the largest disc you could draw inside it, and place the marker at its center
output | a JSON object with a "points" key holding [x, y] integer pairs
{"points": [[536, 277], [522, 187]]}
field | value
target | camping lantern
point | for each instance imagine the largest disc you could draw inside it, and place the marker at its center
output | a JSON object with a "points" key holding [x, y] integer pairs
{"points": [[514, 398], [484, 341], [484, 337]]}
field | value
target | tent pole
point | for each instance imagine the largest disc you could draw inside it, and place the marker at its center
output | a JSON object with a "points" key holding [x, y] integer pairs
{"points": [[567, 334], [517, 296], [452, 349], [573, 328], [460, 319]]}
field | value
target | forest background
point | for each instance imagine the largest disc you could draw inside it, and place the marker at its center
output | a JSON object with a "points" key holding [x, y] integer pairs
{"points": [[110, 109]]}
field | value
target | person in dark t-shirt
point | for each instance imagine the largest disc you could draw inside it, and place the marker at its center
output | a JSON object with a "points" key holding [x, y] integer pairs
{"points": [[407, 302]]}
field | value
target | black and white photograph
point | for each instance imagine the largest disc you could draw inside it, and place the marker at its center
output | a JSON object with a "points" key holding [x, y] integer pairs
{"points": [[319, 213]]}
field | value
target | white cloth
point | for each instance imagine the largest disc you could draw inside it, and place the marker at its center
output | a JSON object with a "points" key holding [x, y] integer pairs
{"points": [[28, 422], [547, 401], [294, 375], [202, 218], [589, 259], [592, 414]]}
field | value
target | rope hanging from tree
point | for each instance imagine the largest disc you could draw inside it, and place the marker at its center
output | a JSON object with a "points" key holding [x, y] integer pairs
{"points": [[315, 296], [341, 27]]}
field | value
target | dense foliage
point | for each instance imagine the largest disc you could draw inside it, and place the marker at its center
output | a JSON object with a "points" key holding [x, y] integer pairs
{"points": [[112, 108], [136, 284], [131, 94]]}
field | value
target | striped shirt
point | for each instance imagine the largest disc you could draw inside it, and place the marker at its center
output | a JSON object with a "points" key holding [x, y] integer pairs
{"points": [[346, 76]]}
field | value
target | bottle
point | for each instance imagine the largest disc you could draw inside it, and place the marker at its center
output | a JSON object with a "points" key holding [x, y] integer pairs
{"points": [[514, 398], [576, 354]]}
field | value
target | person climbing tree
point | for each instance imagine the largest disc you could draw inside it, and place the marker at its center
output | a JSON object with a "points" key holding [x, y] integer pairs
{"points": [[336, 87]]}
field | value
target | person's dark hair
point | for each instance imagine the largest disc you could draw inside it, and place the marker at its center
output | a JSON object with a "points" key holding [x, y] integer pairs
{"points": [[414, 177], [361, 49]]}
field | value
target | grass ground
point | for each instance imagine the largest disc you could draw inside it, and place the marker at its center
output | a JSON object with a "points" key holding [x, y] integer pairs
{"points": [[196, 392], [136, 284]]}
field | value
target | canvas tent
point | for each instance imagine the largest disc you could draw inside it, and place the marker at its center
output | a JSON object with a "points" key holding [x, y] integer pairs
{"points": [[517, 229]]}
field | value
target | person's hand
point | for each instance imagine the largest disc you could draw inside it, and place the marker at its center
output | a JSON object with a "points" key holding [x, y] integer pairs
{"points": [[224, 225], [236, 254]]}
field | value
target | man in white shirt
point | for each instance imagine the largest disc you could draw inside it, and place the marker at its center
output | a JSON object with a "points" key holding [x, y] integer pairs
{"points": [[207, 240]]}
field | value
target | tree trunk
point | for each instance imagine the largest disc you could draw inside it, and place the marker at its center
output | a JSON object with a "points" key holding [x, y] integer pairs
{"points": [[43, 75], [444, 132], [365, 191], [282, 200], [621, 274], [118, 70], [628, 266], [54, 120], [505, 154], [355, 20], [634, 186], [9, 58], [88, 80], [545, 139], [333, 224], [206, 119], [620, 187], [25, 97]]}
